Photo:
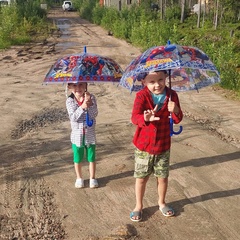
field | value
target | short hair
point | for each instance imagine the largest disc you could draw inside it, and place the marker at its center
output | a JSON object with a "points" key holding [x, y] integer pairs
{"points": [[142, 75], [71, 83]]}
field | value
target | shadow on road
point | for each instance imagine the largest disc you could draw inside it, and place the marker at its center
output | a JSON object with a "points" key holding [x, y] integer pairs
{"points": [[180, 204], [200, 162]]}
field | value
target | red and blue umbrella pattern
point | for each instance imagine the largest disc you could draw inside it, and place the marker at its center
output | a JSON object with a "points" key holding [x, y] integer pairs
{"points": [[84, 67], [190, 68]]}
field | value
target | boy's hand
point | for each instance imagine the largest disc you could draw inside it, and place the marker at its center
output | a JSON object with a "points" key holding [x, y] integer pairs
{"points": [[172, 107], [149, 115], [87, 101]]}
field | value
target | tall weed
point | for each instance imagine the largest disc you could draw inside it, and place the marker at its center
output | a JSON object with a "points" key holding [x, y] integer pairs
{"points": [[20, 21], [9, 24]]}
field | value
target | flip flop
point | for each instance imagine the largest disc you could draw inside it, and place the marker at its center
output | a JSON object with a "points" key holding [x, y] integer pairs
{"points": [[136, 214], [165, 211]]}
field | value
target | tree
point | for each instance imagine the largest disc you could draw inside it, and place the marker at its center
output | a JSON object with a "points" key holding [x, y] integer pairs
{"points": [[216, 15], [183, 2], [199, 13], [161, 8], [204, 12]]}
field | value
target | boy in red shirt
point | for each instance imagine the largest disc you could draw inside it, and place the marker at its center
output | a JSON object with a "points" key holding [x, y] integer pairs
{"points": [[152, 140]]}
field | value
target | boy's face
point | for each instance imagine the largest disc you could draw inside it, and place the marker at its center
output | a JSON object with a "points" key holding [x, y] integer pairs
{"points": [[155, 82], [78, 89]]}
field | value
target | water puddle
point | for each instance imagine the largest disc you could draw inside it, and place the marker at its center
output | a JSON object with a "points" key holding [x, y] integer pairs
{"points": [[66, 45], [64, 26]]}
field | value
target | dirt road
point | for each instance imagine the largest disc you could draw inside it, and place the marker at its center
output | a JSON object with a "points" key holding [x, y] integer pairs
{"points": [[38, 199]]}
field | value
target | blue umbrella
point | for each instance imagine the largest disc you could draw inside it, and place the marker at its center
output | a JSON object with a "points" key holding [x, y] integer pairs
{"points": [[189, 69], [84, 67]]}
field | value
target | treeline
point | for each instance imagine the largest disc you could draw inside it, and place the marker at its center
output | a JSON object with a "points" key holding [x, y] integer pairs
{"points": [[21, 22], [145, 26]]}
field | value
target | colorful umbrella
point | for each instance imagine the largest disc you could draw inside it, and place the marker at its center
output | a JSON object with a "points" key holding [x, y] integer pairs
{"points": [[84, 67], [189, 68]]}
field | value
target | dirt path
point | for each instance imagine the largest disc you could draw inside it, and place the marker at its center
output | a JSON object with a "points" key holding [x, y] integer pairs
{"points": [[38, 199]]}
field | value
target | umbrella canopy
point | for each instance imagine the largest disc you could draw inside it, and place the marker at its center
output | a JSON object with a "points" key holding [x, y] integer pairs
{"points": [[84, 67], [190, 68]]}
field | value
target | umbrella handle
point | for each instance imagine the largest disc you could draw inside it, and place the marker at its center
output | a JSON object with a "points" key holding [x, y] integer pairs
{"points": [[88, 121], [171, 128]]}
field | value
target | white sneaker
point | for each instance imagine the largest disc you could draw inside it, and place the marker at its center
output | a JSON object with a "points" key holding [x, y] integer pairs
{"points": [[93, 183], [79, 183]]}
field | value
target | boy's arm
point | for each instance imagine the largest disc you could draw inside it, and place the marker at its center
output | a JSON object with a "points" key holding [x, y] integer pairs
{"points": [[74, 112], [137, 117], [177, 116], [93, 109]]}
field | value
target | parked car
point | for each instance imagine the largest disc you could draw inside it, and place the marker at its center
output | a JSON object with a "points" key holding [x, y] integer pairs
{"points": [[4, 3], [67, 6]]}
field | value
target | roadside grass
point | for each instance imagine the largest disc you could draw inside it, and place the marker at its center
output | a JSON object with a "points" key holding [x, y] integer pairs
{"points": [[19, 26]]}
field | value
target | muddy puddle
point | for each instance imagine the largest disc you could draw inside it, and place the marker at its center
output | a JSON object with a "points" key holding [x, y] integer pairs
{"points": [[64, 26]]}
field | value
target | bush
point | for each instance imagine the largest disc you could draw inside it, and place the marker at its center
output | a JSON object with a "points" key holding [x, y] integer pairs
{"points": [[18, 20], [98, 13], [109, 18]]}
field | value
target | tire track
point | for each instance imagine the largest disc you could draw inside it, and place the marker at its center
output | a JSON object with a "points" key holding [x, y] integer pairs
{"points": [[28, 208]]}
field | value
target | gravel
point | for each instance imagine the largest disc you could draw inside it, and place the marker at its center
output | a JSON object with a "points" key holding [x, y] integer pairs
{"points": [[43, 119]]}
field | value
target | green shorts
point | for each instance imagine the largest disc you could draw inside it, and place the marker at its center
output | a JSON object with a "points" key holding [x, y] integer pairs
{"points": [[78, 153], [146, 164]]}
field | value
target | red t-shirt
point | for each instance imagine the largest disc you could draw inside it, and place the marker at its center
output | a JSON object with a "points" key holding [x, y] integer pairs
{"points": [[153, 137], [80, 102]]}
